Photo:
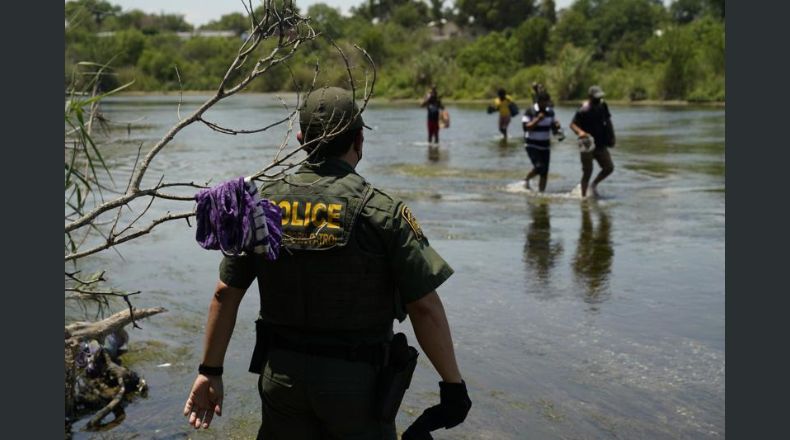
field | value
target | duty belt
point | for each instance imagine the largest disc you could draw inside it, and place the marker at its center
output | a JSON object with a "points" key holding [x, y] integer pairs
{"points": [[376, 354]]}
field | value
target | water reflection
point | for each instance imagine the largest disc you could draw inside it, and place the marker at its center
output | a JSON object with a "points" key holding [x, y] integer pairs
{"points": [[592, 263], [540, 252], [433, 153]]}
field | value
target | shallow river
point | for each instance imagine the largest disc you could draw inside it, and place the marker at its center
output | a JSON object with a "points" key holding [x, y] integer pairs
{"points": [[572, 319]]}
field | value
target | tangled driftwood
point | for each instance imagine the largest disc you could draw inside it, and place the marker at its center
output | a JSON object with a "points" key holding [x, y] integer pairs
{"points": [[105, 392]]}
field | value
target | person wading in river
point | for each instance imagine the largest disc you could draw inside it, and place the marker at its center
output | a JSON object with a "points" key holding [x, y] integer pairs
{"points": [[538, 123], [433, 104], [593, 120], [503, 105], [355, 259]]}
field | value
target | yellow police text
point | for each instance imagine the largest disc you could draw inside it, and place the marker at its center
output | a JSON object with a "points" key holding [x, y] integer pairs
{"points": [[303, 214]]}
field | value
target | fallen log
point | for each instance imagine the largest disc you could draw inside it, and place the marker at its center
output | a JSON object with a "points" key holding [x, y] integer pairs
{"points": [[100, 329], [120, 376]]}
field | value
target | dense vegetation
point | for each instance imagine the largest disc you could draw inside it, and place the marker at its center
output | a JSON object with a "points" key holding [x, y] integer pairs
{"points": [[635, 49]]}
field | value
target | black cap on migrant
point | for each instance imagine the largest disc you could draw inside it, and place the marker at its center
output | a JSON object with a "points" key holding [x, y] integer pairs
{"points": [[329, 110]]}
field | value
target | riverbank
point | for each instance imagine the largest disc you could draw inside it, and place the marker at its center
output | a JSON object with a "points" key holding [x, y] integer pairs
{"points": [[401, 101]]}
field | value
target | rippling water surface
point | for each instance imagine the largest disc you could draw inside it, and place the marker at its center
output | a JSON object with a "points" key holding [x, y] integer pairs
{"points": [[572, 319]]}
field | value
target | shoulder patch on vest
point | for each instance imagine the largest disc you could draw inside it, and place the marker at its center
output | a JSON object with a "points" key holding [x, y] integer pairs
{"points": [[407, 215]]}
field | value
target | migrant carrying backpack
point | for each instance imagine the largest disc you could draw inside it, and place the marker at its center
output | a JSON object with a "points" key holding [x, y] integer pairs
{"points": [[513, 109]]}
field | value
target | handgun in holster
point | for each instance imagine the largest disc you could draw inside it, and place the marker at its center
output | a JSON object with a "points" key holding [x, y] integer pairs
{"points": [[395, 377], [261, 350]]}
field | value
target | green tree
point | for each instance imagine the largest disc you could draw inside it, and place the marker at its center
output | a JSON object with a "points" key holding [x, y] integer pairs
{"points": [[127, 46], [89, 13], [373, 41], [532, 37], [495, 14], [380, 9], [572, 28], [326, 19], [172, 22], [149, 23], [686, 11], [717, 8], [680, 68], [571, 73], [628, 22], [548, 10], [410, 15], [436, 10], [236, 22], [491, 54], [691, 60], [208, 60]]}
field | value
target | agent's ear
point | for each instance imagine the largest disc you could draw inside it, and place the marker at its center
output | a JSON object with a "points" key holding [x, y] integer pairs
{"points": [[359, 139], [299, 137]]}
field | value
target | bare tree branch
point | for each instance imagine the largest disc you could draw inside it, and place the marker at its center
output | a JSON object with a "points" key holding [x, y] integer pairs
{"points": [[100, 329], [112, 241]]}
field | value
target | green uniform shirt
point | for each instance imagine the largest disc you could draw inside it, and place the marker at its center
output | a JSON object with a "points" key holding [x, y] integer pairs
{"points": [[385, 226]]}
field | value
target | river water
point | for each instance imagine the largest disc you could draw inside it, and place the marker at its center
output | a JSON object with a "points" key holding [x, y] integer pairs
{"points": [[571, 319]]}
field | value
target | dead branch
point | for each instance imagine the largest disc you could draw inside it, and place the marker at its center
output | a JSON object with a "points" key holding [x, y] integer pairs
{"points": [[272, 24], [100, 292], [99, 330], [94, 279], [329, 132], [119, 373], [288, 31], [115, 240]]}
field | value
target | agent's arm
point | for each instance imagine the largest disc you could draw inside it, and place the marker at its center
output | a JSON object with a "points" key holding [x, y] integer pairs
{"points": [[205, 397], [221, 320], [433, 334]]}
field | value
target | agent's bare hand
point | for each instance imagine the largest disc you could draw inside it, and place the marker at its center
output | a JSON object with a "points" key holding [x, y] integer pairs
{"points": [[205, 400]]}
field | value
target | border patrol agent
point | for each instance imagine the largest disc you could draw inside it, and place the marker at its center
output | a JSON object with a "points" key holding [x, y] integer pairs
{"points": [[354, 259]]}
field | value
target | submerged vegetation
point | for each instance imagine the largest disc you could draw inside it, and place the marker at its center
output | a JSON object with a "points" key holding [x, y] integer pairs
{"points": [[635, 49]]}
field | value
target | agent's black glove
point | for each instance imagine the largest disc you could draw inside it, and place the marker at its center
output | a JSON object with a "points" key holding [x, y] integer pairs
{"points": [[413, 434], [450, 412]]}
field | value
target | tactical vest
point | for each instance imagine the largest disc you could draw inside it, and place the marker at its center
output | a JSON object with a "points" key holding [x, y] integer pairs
{"points": [[323, 279]]}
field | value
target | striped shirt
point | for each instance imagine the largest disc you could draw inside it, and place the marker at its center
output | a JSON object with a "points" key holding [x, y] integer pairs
{"points": [[540, 135]]}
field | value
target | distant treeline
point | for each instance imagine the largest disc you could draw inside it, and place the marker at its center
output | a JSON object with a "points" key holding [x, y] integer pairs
{"points": [[635, 49]]}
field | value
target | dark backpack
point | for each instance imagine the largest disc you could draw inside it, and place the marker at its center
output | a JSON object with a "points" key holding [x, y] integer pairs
{"points": [[513, 108]]}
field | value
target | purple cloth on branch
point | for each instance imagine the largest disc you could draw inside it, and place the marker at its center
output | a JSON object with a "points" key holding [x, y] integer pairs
{"points": [[233, 218]]}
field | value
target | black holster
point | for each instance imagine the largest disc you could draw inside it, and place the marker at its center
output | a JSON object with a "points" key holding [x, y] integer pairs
{"points": [[261, 350], [395, 377]]}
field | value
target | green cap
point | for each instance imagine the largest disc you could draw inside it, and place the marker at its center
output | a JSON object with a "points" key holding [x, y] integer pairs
{"points": [[329, 109]]}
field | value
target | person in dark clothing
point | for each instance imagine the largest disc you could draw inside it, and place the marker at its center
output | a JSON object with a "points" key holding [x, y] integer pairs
{"points": [[593, 120], [434, 105]]}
